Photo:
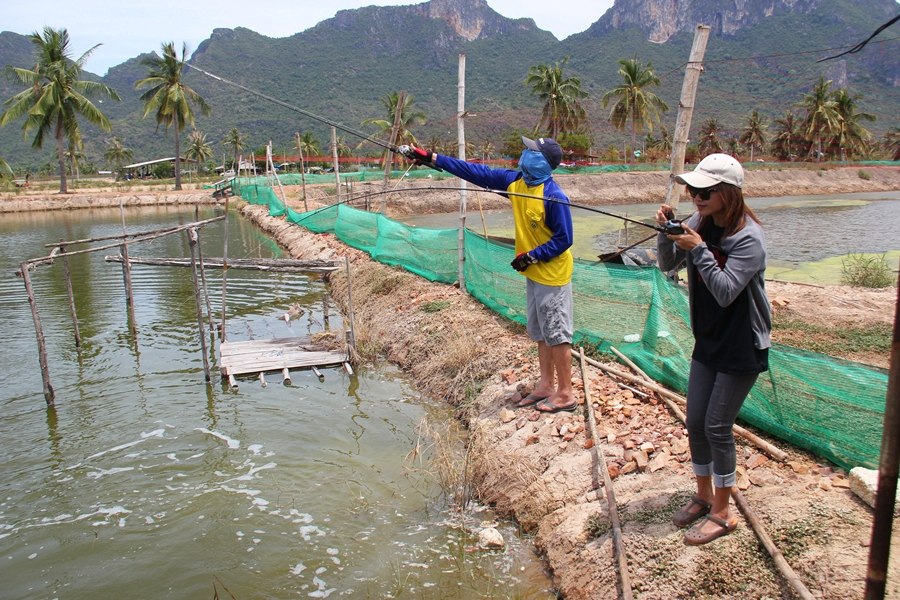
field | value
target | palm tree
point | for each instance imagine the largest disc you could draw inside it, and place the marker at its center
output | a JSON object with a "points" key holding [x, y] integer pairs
{"points": [[710, 130], [55, 97], [891, 142], [788, 138], [394, 103], [754, 133], [236, 140], [5, 168], [562, 112], [633, 101], [169, 96], [661, 145], [851, 136], [822, 118], [117, 155], [198, 148]]}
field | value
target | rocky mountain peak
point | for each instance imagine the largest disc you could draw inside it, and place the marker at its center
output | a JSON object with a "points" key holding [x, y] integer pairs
{"points": [[471, 19]]}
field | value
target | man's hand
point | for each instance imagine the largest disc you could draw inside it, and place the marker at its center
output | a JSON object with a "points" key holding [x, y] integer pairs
{"points": [[418, 155], [523, 261]]}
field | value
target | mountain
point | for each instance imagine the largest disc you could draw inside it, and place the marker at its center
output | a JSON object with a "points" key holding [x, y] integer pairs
{"points": [[761, 54]]}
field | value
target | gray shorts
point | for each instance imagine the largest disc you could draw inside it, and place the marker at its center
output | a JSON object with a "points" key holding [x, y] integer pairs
{"points": [[550, 313]]}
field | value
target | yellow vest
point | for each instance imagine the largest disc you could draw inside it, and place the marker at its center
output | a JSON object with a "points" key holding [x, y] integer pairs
{"points": [[531, 232]]}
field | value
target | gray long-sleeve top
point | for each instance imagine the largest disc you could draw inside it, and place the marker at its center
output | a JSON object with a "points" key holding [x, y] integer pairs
{"points": [[745, 268]]}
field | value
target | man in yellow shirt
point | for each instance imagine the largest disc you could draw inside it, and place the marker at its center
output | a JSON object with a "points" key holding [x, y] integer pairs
{"points": [[543, 224]]}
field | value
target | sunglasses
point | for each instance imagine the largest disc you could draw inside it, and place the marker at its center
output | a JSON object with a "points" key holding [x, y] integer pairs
{"points": [[704, 193]]}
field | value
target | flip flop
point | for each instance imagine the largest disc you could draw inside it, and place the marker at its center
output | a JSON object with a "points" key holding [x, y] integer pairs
{"points": [[694, 537], [548, 407], [687, 514], [529, 400]]}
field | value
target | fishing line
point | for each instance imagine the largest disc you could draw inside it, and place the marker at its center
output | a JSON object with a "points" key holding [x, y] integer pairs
{"points": [[335, 124], [501, 192]]}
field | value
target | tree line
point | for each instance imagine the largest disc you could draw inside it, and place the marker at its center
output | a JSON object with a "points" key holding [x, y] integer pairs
{"points": [[825, 123]]}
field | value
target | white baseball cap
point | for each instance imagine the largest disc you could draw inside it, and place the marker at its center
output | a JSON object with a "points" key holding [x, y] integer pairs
{"points": [[715, 168]]}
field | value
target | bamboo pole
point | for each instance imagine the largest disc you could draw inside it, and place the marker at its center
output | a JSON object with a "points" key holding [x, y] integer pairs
{"points": [[352, 333], [337, 165], [618, 543], [224, 270], [754, 439], [212, 325], [463, 194], [192, 241], [251, 264], [49, 394], [71, 295]]}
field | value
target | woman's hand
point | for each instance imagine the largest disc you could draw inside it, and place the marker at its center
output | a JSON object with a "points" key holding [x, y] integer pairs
{"points": [[687, 240], [662, 214]]}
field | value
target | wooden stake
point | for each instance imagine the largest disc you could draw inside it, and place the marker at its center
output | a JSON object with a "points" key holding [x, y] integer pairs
{"points": [[600, 462], [192, 241], [49, 394], [71, 294]]}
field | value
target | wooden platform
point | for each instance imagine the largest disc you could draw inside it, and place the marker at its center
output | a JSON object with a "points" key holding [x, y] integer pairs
{"points": [[279, 354]]}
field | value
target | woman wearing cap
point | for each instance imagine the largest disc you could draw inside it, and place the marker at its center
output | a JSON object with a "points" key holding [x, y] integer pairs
{"points": [[543, 225], [725, 252]]}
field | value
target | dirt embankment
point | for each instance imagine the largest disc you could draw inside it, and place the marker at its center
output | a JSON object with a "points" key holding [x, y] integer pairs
{"points": [[540, 470]]}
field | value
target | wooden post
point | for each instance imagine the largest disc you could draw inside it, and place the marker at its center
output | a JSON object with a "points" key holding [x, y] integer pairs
{"points": [[685, 111], [224, 270], [71, 295], [126, 273], [337, 168], [49, 394], [325, 315], [209, 315], [461, 143], [885, 496], [192, 241], [352, 338], [618, 543], [302, 172]]}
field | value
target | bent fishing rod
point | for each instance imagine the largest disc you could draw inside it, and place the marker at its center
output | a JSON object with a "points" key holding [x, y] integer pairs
{"points": [[500, 192], [395, 149], [335, 124]]}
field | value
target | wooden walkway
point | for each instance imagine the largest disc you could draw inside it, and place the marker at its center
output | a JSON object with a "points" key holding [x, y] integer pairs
{"points": [[279, 354]]}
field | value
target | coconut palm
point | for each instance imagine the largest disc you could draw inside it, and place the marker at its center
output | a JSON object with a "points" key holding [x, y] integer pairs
{"points": [[710, 131], [169, 96], [235, 140], [788, 138], [822, 118], [55, 97], [562, 111], [394, 103], [632, 100], [851, 136], [117, 155], [5, 168], [754, 133], [198, 148], [662, 145], [891, 142]]}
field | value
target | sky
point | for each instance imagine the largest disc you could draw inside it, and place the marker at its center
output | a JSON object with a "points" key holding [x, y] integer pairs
{"points": [[127, 28]]}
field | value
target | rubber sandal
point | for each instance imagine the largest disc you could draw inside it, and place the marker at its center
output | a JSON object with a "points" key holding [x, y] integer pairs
{"points": [[548, 407], [694, 537], [685, 515], [529, 400]]}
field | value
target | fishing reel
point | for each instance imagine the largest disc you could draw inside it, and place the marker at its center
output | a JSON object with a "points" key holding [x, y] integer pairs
{"points": [[673, 225]]}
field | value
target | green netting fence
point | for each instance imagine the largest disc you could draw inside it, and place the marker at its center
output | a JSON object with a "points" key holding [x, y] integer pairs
{"points": [[831, 407]]}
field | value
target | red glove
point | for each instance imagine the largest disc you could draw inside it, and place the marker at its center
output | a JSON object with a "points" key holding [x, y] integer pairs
{"points": [[418, 155]]}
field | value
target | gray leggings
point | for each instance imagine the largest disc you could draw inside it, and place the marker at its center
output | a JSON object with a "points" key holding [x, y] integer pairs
{"points": [[713, 402]]}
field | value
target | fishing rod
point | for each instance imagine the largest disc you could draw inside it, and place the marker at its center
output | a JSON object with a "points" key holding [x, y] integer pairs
{"points": [[501, 192], [335, 124]]}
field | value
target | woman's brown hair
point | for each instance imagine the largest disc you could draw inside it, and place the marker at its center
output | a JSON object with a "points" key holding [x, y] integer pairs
{"points": [[736, 210]]}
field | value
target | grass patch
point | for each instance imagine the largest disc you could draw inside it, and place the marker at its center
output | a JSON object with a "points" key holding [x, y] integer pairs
{"points": [[597, 526], [435, 306], [864, 175], [866, 270], [834, 341], [386, 285]]}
